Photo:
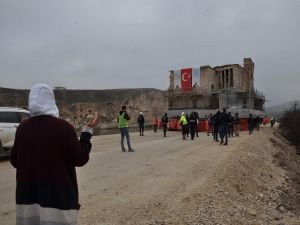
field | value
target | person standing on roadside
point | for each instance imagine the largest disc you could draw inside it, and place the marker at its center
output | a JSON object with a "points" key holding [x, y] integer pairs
{"points": [[45, 153], [165, 121], [155, 124], [123, 119], [141, 122]]}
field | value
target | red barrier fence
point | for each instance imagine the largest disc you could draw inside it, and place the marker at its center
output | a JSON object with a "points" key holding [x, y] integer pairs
{"points": [[203, 124]]}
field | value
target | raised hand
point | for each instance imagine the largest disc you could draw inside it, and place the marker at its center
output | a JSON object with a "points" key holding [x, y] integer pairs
{"points": [[92, 120]]}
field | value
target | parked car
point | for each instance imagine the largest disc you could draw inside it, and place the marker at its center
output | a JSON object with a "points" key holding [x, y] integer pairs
{"points": [[10, 118]]}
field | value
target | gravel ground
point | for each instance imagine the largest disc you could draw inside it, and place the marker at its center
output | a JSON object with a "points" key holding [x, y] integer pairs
{"points": [[254, 180]]}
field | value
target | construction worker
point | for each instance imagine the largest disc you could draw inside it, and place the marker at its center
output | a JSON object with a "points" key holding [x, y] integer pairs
{"points": [[123, 125], [184, 125]]}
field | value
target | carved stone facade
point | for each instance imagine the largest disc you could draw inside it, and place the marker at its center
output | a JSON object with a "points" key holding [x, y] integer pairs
{"points": [[221, 86]]}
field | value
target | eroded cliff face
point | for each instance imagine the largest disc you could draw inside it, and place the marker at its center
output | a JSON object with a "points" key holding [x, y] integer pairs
{"points": [[76, 105]]}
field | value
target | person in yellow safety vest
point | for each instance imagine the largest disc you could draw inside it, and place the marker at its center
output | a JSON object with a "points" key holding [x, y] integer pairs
{"points": [[184, 125], [123, 126]]}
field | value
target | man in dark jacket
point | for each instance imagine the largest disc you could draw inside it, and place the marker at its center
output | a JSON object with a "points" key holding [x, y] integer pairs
{"points": [[236, 125], [230, 125], [197, 121], [210, 124], [216, 120], [223, 129], [164, 122], [141, 121], [251, 124], [192, 123], [45, 153]]}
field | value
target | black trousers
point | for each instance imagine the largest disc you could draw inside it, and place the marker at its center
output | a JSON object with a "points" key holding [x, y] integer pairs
{"points": [[193, 128], [141, 126], [165, 126]]}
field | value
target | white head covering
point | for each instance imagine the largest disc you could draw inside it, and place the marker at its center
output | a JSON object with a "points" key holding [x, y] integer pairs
{"points": [[42, 101], [182, 113], [141, 113]]}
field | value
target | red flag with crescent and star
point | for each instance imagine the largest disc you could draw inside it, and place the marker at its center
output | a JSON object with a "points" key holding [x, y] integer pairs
{"points": [[186, 79]]}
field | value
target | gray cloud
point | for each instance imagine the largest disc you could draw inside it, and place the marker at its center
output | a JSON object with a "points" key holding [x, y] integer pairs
{"points": [[104, 44]]}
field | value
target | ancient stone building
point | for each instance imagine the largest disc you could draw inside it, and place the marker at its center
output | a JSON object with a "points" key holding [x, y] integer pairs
{"points": [[230, 86]]}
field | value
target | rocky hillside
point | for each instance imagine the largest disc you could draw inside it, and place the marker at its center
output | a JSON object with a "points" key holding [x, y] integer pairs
{"points": [[75, 105], [278, 110]]}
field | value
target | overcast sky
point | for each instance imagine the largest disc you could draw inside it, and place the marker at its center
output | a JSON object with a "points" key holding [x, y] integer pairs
{"points": [[103, 44]]}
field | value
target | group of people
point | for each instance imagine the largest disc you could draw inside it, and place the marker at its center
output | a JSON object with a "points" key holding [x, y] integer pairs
{"points": [[46, 151], [221, 125], [123, 119], [189, 125], [164, 122]]}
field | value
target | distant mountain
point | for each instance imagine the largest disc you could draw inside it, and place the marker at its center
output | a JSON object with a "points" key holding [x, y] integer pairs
{"points": [[278, 110]]}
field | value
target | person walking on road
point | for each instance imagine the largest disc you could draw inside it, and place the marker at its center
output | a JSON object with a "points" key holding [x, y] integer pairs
{"points": [[165, 121], [210, 124], [257, 122], [230, 125], [197, 122], [216, 121], [193, 124], [223, 129], [45, 153], [236, 125], [184, 125], [123, 125], [155, 124], [251, 123], [141, 122]]}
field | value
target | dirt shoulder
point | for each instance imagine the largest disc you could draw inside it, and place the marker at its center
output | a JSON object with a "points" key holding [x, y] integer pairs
{"points": [[251, 181], [259, 184]]}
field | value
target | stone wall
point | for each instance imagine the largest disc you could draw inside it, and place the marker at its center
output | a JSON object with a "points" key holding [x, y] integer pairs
{"points": [[208, 78], [75, 105]]}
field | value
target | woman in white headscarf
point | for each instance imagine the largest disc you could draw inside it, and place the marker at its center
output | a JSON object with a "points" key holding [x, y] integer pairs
{"points": [[45, 154]]}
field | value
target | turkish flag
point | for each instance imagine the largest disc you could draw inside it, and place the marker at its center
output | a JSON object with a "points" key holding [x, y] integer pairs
{"points": [[186, 79]]}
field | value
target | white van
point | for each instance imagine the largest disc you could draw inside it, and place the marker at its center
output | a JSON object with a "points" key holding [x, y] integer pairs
{"points": [[9, 120]]}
